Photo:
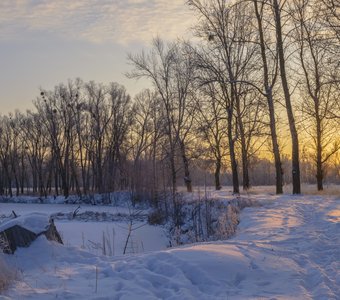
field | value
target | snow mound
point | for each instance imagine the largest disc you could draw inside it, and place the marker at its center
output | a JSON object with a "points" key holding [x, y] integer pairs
{"points": [[35, 222]]}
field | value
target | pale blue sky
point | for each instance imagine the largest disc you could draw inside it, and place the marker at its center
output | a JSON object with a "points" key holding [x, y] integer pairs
{"points": [[45, 42]]}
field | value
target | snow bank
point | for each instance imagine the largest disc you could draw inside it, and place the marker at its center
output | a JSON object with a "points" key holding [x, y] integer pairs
{"points": [[35, 222], [114, 198], [207, 219]]}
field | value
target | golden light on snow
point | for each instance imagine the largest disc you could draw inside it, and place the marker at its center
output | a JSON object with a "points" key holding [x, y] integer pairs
{"points": [[334, 216]]}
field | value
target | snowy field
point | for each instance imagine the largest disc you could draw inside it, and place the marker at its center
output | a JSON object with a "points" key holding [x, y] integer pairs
{"points": [[288, 248]]}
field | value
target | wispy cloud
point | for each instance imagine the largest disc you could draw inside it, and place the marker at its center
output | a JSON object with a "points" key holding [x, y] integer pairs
{"points": [[121, 21]]}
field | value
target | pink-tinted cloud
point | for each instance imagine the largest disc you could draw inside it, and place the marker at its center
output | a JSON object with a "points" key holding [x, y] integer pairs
{"points": [[120, 21]]}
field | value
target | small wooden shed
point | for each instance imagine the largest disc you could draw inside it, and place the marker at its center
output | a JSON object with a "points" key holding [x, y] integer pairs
{"points": [[21, 231]]}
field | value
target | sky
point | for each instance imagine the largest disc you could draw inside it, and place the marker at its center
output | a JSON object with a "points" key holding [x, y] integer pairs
{"points": [[46, 42]]}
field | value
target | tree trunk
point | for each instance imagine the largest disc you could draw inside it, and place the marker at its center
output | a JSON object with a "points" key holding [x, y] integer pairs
{"points": [[275, 144], [236, 188], [173, 174], [65, 186], [217, 174], [291, 119], [319, 171], [270, 103], [187, 179], [244, 154], [245, 174], [23, 171], [154, 175]]}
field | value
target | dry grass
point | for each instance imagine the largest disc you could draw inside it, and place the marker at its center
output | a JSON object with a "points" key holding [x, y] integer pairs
{"points": [[306, 189], [328, 190], [7, 274]]}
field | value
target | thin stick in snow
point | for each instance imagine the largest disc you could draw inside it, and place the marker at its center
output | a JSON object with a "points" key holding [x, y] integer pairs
{"points": [[96, 280]]}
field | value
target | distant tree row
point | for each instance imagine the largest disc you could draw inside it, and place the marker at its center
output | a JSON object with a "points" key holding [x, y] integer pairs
{"points": [[253, 59], [287, 52], [217, 105]]}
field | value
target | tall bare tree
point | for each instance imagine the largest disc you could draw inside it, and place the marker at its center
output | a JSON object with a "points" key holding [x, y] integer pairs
{"points": [[171, 71], [316, 54], [56, 109], [277, 9], [211, 126], [227, 59], [270, 70]]}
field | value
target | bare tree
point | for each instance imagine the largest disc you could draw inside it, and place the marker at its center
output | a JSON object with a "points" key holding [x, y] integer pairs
{"points": [[227, 59], [56, 110], [211, 126], [317, 60], [277, 9], [6, 148], [100, 117], [144, 135], [35, 138], [171, 71], [116, 136], [269, 67]]}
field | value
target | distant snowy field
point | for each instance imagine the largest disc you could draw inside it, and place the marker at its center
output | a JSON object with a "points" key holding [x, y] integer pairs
{"points": [[287, 248]]}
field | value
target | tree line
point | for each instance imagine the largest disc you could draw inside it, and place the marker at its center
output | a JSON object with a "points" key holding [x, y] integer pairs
{"points": [[257, 69]]}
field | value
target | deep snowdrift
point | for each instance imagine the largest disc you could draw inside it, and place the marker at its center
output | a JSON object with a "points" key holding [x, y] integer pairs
{"points": [[285, 249]]}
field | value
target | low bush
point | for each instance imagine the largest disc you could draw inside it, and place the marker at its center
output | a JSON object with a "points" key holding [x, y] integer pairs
{"points": [[207, 220], [7, 274], [156, 217]]}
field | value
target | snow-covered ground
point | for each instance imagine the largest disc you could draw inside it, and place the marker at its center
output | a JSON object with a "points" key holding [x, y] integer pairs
{"points": [[288, 248]]}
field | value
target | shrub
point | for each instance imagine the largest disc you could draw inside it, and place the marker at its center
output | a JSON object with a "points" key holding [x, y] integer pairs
{"points": [[156, 217], [7, 274], [207, 220]]}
